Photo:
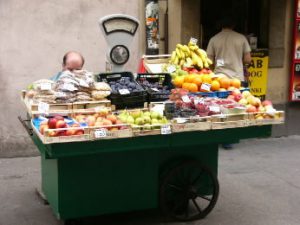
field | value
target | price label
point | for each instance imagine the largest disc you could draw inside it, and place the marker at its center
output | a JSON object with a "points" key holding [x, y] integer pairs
{"points": [[155, 89], [186, 99], [205, 87], [43, 108], [46, 86], [124, 91], [69, 87], [194, 40], [166, 129], [214, 108], [171, 68], [100, 133], [198, 100]]}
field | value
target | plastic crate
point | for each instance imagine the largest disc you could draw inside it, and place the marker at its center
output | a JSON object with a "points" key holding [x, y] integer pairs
{"points": [[163, 79], [132, 100], [205, 94], [223, 94]]}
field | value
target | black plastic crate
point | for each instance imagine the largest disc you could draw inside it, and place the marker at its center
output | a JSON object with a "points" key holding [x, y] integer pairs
{"points": [[131, 100], [163, 79]]}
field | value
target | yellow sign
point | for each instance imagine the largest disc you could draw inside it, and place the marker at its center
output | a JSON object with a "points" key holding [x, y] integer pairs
{"points": [[258, 73]]}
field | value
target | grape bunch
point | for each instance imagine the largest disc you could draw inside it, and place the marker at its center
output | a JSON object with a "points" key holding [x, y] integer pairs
{"points": [[125, 83]]}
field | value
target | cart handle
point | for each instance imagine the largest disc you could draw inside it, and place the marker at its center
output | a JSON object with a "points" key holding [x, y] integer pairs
{"points": [[24, 122]]}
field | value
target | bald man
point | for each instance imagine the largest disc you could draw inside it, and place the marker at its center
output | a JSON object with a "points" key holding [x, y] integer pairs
{"points": [[71, 61]]}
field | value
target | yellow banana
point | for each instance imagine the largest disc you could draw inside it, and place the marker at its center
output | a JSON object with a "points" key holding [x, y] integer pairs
{"points": [[189, 62], [182, 54], [205, 64], [173, 56], [193, 48], [178, 53], [181, 62], [209, 61], [186, 49], [201, 52], [179, 46], [197, 60], [176, 60]]}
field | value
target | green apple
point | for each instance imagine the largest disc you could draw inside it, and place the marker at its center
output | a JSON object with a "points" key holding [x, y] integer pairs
{"points": [[147, 119], [147, 126], [139, 121], [135, 114], [154, 122], [147, 113], [130, 120], [154, 115]]}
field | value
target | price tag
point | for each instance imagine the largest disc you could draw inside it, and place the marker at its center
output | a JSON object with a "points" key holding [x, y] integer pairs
{"points": [[198, 100], [205, 87], [194, 40], [46, 86], [220, 62], [166, 129], [186, 99], [43, 108], [214, 108], [124, 91], [155, 89], [100, 133], [171, 68], [69, 87]]}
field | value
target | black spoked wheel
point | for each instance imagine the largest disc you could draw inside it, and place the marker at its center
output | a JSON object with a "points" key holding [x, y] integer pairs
{"points": [[189, 191]]}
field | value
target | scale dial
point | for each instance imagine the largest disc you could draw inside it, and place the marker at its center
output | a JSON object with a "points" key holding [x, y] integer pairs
{"points": [[118, 24], [119, 54]]}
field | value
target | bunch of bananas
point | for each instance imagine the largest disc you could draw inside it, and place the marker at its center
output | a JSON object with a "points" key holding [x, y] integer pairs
{"points": [[190, 56]]}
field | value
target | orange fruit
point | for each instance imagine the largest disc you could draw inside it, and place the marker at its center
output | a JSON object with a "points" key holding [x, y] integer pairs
{"points": [[178, 81], [197, 80], [235, 83], [225, 82], [215, 85], [193, 87], [189, 78], [186, 86], [206, 78]]}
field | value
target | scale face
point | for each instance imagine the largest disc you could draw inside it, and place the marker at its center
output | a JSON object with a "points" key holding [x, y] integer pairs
{"points": [[119, 31], [118, 24]]}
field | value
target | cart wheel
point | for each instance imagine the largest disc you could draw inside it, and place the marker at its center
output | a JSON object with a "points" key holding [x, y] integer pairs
{"points": [[189, 191]]}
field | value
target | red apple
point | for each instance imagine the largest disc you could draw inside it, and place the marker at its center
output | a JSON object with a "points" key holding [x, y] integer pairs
{"points": [[52, 123], [238, 97], [267, 102], [58, 117], [79, 132], [52, 133], [235, 92], [70, 132], [61, 133], [251, 108], [61, 124], [43, 127], [230, 97], [112, 118]]}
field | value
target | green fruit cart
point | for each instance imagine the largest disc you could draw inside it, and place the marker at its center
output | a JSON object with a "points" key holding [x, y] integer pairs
{"points": [[175, 172]]}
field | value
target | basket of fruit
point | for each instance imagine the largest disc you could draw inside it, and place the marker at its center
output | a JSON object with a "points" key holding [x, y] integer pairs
{"points": [[158, 86], [126, 92]]}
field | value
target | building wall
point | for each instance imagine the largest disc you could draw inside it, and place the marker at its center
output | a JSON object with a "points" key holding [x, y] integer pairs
{"points": [[34, 36], [278, 78]]}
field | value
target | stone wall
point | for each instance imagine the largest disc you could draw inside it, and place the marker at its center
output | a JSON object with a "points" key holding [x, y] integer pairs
{"points": [[34, 36]]}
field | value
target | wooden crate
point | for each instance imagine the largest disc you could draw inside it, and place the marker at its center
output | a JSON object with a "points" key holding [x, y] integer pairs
{"points": [[108, 132], [48, 139], [90, 106], [200, 124], [229, 121], [148, 130], [261, 118], [153, 64]]}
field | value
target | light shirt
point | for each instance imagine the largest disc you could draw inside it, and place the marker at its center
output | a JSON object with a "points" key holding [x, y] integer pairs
{"points": [[227, 50]]}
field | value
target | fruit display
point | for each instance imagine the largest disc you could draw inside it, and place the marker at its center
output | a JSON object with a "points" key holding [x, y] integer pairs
{"points": [[190, 56], [146, 120], [253, 104], [125, 86], [59, 126], [158, 86]]}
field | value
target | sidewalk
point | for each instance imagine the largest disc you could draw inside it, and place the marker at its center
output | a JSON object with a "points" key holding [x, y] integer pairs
{"points": [[259, 185]]}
